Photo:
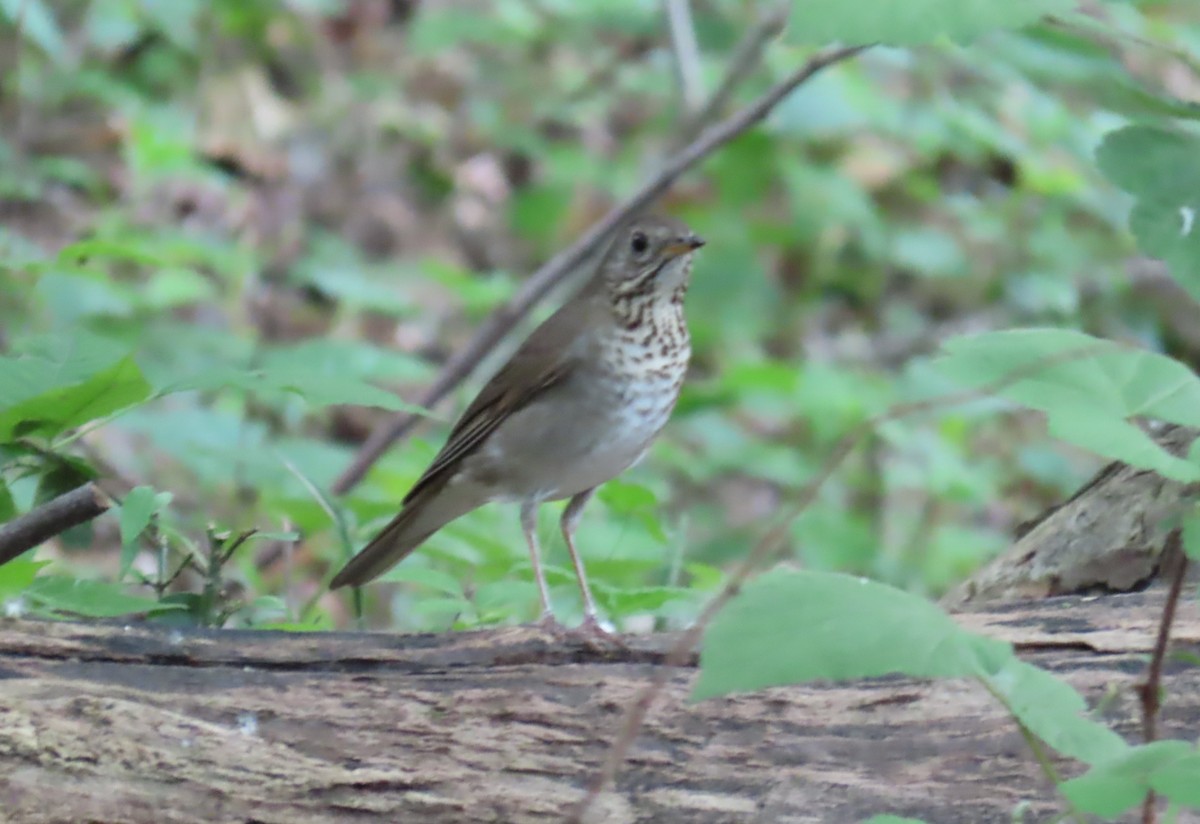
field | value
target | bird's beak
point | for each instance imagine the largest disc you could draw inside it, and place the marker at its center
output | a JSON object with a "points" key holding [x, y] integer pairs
{"points": [[683, 246]]}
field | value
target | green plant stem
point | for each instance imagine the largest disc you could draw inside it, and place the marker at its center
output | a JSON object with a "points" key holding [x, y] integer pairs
{"points": [[343, 531]]}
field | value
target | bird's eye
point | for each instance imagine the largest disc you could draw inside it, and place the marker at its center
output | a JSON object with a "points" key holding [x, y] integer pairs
{"points": [[639, 242]]}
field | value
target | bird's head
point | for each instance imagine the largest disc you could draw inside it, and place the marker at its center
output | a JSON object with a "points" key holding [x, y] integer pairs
{"points": [[651, 255]]}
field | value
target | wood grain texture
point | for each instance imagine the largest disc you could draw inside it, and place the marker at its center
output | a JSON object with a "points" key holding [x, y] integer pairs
{"points": [[140, 724], [1108, 537]]}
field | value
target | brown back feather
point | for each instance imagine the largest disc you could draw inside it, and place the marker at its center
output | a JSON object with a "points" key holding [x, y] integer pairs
{"points": [[544, 360]]}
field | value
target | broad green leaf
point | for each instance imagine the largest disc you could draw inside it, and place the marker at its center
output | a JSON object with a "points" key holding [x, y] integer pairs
{"points": [[135, 513], [361, 359], [65, 383], [624, 496], [908, 22], [1119, 440], [17, 575], [1119, 784], [317, 388], [327, 390], [1179, 781], [442, 608], [1089, 389], [1159, 167], [176, 286], [1053, 711], [629, 601], [1191, 535], [427, 577], [94, 599], [792, 627]]}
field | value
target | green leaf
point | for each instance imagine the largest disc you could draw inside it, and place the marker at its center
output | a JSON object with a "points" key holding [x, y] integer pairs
{"points": [[427, 577], [1159, 167], [93, 599], [892, 819], [1089, 399], [1179, 781], [8, 507], [792, 627], [135, 513], [287, 376], [624, 496], [1191, 535], [1120, 784], [622, 601], [1053, 711], [17, 575], [65, 383], [442, 608], [361, 359], [908, 22], [325, 390], [104, 248]]}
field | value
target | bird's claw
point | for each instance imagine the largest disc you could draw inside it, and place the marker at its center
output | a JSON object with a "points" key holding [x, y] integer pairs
{"points": [[590, 633]]}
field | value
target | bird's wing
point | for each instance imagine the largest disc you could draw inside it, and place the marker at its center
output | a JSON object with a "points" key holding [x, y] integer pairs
{"points": [[546, 358]]}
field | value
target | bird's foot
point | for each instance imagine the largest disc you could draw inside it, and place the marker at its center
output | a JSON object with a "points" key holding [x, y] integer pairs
{"points": [[595, 635], [549, 624], [590, 633]]}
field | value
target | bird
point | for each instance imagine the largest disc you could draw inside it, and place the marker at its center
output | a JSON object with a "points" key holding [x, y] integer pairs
{"points": [[579, 402]]}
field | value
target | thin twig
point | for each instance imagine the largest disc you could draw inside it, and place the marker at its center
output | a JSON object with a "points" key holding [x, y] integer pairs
{"points": [[1149, 691], [54, 517], [686, 51], [635, 714], [561, 265], [744, 61]]}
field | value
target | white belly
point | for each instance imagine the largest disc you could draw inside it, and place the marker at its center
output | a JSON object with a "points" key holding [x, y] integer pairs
{"points": [[570, 440]]}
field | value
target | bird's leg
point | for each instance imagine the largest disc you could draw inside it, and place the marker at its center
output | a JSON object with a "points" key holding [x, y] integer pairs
{"points": [[529, 526], [570, 520]]}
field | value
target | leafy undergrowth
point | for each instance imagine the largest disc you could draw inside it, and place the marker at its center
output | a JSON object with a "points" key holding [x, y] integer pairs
{"points": [[237, 237]]}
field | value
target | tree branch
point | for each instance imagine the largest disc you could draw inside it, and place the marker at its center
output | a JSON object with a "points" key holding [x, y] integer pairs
{"points": [[687, 52], [745, 59], [54, 517], [561, 265]]}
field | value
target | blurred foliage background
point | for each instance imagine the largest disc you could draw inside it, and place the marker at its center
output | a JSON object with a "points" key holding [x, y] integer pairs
{"points": [[236, 236]]}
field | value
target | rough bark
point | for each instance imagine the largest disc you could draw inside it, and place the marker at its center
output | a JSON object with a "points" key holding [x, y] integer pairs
{"points": [[1108, 537], [142, 724], [52, 518]]}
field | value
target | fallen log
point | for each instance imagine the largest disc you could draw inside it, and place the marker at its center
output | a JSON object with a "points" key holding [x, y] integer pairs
{"points": [[136, 723]]}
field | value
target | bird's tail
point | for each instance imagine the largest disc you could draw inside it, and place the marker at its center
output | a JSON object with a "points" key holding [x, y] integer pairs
{"points": [[422, 516]]}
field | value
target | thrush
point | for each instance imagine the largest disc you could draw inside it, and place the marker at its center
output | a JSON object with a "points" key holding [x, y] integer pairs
{"points": [[578, 403]]}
